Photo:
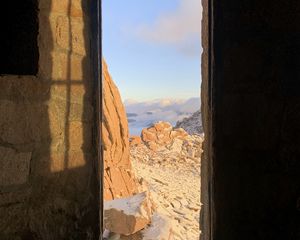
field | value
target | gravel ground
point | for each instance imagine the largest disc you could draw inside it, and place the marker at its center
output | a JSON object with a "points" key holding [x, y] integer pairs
{"points": [[173, 179]]}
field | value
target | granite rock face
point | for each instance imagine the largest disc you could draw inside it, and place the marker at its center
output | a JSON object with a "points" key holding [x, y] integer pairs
{"points": [[161, 134], [118, 179], [192, 124]]}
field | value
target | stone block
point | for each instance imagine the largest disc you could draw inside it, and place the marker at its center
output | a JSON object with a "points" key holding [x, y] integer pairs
{"points": [[50, 66], [23, 123], [73, 68], [66, 160], [69, 35], [14, 167], [76, 137], [73, 8], [29, 87]]}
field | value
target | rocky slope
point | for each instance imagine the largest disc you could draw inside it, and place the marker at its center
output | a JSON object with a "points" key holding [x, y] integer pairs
{"points": [[192, 124], [118, 178], [168, 159]]}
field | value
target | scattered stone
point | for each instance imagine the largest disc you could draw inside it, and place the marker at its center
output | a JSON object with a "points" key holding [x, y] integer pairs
{"points": [[159, 181], [184, 202], [176, 204], [127, 216]]}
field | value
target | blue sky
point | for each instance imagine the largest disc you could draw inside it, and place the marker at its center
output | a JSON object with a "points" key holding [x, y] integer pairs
{"points": [[152, 47]]}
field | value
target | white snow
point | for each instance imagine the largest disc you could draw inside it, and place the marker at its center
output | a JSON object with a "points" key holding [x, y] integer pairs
{"points": [[159, 229], [130, 206]]}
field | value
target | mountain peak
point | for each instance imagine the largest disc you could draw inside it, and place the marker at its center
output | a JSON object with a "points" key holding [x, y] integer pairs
{"points": [[192, 124]]}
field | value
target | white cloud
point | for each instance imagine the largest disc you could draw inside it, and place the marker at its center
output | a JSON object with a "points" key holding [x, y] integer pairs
{"points": [[181, 28], [148, 112]]}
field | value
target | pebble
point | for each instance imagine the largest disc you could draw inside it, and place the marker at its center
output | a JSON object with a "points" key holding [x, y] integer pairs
{"points": [[176, 204]]}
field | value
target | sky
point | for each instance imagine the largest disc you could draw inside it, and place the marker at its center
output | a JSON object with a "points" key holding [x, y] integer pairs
{"points": [[152, 47]]}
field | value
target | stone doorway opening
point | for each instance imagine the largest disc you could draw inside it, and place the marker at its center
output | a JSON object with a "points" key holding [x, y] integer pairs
{"points": [[238, 46], [132, 156]]}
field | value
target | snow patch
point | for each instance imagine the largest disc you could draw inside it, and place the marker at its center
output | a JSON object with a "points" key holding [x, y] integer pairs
{"points": [[159, 229], [130, 206]]}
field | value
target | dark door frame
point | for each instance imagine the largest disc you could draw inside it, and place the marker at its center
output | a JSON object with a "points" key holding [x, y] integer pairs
{"points": [[96, 53], [207, 218]]}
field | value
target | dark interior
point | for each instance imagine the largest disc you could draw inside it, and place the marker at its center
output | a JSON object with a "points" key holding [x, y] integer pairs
{"points": [[19, 31], [256, 120]]}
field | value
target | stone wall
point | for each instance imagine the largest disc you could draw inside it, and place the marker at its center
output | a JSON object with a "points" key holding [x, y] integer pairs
{"points": [[252, 114], [48, 187]]}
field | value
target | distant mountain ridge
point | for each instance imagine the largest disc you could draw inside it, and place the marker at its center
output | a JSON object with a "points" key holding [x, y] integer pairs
{"points": [[192, 124], [143, 114], [180, 105]]}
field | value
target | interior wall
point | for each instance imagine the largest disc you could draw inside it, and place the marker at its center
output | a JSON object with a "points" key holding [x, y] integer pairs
{"points": [[254, 142], [48, 182]]}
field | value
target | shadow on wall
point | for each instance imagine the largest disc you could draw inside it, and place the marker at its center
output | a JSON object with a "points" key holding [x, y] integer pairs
{"points": [[48, 182]]}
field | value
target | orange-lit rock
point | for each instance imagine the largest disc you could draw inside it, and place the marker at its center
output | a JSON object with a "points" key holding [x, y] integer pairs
{"points": [[127, 216], [161, 134], [118, 179], [135, 140]]}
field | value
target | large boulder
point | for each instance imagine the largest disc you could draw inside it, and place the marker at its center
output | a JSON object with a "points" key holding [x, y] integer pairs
{"points": [[161, 134], [118, 178], [127, 216]]}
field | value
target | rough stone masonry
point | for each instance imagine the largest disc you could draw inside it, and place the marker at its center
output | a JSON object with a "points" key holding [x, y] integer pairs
{"points": [[48, 182]]}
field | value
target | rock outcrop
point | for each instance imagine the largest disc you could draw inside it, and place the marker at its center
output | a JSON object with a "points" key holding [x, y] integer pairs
{"points": [[161, 134], [135, 140], [163, 145], [192, 124], [118, 179]]}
